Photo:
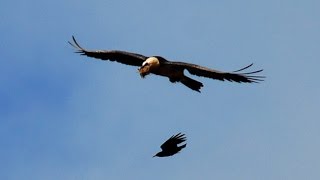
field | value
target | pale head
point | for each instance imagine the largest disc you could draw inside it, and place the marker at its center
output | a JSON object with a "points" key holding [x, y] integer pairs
{"points": [[148, 66]]}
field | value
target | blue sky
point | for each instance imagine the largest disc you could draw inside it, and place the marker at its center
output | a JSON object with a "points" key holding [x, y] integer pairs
{"points": [[63, 116]]}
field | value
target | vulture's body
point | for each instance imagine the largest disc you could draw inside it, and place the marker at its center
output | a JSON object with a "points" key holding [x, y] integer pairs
{"points": [[173, 70]]}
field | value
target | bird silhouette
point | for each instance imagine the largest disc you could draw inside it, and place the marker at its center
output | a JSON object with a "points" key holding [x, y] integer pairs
{"points": [[174, 70], [170, 147]]}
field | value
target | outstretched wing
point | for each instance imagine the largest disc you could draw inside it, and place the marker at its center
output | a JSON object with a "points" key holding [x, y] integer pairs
{"points": [[173, 141], [236, 76], [123, 57]]}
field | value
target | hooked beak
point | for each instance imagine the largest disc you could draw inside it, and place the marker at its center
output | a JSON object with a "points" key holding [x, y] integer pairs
{"points": [[143, 70], [142, 74]]}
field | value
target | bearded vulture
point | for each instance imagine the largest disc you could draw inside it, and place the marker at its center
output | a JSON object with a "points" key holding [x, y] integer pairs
{"points": [[170, 147], [173, 70]]}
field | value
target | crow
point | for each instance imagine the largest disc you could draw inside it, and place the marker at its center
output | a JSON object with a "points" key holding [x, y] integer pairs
{"points": [[170, 147]]}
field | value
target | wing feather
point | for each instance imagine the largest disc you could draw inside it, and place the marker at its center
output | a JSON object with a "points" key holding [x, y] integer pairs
{"points": [[123, 57], [173, 141], [236, 76]]}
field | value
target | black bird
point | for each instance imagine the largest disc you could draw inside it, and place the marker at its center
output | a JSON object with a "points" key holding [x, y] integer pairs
{"points": [[173, 70], [170, 147]]}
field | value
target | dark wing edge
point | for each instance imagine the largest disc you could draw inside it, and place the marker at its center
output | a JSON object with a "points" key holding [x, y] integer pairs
{"points": [[235, 76], [123, 57], [253, 78], [173, 141]]}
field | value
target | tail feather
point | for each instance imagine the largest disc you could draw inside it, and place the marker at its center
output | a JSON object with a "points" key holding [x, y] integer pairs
{"points": [[191, 83]]}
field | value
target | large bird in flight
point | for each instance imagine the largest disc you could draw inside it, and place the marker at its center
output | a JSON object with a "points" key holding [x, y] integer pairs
{"points": [[170, 147], [173, 70]]}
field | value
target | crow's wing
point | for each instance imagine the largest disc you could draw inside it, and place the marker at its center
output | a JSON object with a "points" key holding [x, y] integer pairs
{"points": [[123, 57], [236, 76], [173, 141]]}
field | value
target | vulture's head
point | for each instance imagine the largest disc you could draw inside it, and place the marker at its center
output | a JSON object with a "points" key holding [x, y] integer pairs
{"points": [[148, 66]]}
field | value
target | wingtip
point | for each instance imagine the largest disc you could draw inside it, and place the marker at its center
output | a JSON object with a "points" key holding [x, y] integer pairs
{"points": [[76, 45], [180, 136], [244, 68], [74, 42], [249, 76], [253, 72]]}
